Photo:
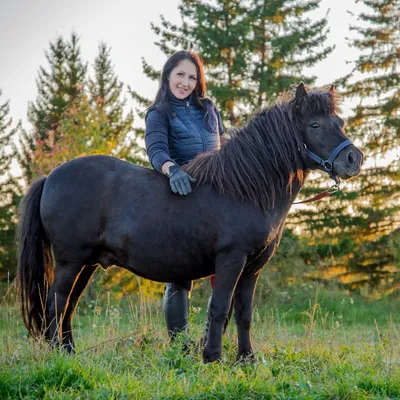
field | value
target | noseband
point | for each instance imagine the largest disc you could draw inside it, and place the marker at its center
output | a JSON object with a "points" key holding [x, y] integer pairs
{"points": [[328, 164]]}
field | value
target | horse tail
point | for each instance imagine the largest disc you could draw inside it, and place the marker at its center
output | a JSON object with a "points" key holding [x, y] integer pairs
{"points": [[35, 261]]}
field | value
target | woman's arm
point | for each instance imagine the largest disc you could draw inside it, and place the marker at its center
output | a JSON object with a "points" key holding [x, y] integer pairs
{"points": [[156, 140]]}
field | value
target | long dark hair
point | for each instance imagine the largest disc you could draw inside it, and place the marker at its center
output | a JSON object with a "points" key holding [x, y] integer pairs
{"points": [[198, 96]]}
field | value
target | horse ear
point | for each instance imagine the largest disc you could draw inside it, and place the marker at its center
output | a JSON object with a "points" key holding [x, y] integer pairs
{"points": [[332, 89], [300, 92]]}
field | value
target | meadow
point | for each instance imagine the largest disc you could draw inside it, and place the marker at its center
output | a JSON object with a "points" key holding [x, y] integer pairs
{"points": [[310, 343]]}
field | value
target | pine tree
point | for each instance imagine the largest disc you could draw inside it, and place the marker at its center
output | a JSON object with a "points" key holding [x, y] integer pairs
{"points": [[10, 195], [58, 87], [360, 227]]}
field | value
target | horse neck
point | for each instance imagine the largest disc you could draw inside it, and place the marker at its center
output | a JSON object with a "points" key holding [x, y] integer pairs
{"points": [[265, 178]]}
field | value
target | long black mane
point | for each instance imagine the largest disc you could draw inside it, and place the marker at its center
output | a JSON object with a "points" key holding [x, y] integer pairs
{"points": [[264, 158]]}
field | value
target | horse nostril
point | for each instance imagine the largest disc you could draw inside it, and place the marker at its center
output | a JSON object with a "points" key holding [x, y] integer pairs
{"points": [[351, 159]]}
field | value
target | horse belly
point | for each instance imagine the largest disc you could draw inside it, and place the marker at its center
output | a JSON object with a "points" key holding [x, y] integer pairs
{"points": [[155, 256], [165, 265]]}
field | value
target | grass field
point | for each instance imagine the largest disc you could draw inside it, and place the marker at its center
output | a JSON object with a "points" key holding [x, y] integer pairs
{"points": [[310, 343]]}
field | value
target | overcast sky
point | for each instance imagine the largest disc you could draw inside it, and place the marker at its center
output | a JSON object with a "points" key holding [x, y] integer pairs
{"points": [[28, 26]]}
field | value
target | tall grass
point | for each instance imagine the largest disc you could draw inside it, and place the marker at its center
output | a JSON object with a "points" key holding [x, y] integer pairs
{"points": [[310, 344]]}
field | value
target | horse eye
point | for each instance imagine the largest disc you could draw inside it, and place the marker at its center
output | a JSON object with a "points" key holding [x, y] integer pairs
{"points": [[314, 125]]}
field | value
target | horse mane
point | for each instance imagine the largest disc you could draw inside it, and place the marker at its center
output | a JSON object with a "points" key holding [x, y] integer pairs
{"points": [[263, 158]]}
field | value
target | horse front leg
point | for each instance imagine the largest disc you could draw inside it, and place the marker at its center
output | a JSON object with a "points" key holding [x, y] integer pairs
{"points": [[228, 268], [244, 295]]}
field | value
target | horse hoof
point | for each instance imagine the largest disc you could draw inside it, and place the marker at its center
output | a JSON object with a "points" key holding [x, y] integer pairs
{"points": [[211, 357]]}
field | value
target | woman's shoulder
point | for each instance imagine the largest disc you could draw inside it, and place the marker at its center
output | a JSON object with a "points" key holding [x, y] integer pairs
{"points": [[212, 109], [208, 104], [154, 112], [206, 101]]}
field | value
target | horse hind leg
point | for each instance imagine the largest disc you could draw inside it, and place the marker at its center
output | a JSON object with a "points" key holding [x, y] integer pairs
{"points": [[69, 282], [80, 285]]}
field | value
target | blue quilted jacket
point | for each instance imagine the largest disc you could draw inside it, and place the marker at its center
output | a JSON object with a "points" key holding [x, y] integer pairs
{"points": [[183, 135]]}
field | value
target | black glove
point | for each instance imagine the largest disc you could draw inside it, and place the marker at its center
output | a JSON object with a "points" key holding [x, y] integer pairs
{"points": [[179, 180]]}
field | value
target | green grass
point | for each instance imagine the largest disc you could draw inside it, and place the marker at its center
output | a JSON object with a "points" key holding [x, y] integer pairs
{"points": [[309, 343]]}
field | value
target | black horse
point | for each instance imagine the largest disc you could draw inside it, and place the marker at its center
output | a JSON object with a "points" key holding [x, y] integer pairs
{"points": [[99, 210]]}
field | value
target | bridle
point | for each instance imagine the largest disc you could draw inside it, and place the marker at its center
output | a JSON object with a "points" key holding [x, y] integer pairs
{"points": [[328, 167]]}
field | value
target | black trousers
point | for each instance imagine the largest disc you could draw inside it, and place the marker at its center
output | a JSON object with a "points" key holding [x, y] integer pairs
{"points": [[176, 306]]}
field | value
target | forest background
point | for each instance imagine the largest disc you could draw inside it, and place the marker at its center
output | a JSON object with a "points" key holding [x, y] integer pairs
{"points": [[252, 52]]}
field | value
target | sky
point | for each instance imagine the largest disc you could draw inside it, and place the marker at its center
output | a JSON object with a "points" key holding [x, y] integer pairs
{"points": [[27, 27]]}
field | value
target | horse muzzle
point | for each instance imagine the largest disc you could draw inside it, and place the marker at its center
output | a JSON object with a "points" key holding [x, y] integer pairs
{"points": [[348, 163]]}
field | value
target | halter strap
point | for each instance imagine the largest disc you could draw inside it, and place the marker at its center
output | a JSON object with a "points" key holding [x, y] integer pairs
{"points": [[328, 164]]}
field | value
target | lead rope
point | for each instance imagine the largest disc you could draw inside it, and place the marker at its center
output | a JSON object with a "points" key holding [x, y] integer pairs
{"points": [[333, 189]]}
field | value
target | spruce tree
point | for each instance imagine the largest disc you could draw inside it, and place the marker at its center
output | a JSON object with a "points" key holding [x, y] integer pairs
{"points": [[57, 87], [106, 96], [285, 41]]}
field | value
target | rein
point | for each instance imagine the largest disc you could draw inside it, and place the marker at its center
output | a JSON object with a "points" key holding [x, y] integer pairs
{"points": [[328, 166]]}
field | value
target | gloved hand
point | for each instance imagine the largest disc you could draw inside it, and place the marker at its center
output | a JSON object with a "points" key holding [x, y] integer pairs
{"points": [[179, 180]]}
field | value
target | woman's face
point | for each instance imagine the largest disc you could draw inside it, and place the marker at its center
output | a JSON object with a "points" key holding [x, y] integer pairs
{"points": [[183, 79]]}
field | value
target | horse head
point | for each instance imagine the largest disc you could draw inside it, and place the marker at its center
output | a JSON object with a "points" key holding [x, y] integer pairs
{"points": [[326, 145]]}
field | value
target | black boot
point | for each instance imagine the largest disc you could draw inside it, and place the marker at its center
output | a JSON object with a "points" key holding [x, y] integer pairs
{"points": [[176, 308]]}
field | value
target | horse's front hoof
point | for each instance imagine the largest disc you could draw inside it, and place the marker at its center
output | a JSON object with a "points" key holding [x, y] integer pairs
{"points": [[211, 356]]}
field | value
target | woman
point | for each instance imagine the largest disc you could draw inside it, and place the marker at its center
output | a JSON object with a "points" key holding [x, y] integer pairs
{"points": [[181, 123]]}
